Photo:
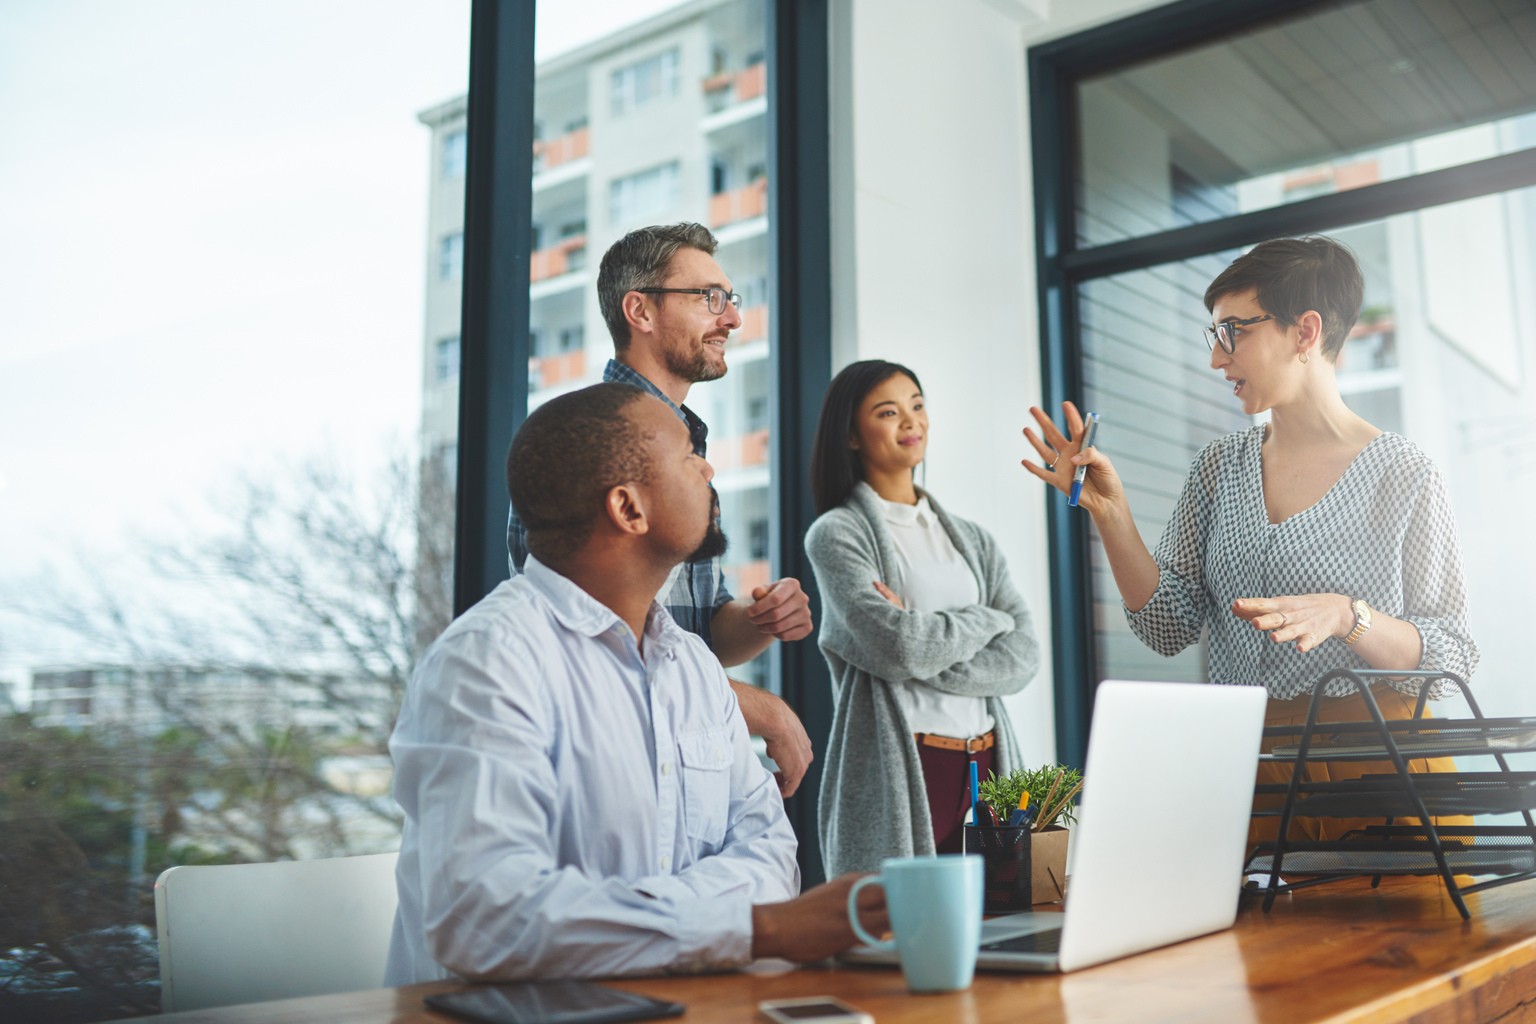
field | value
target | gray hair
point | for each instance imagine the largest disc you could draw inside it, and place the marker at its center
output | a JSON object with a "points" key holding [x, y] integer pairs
{"points": [[639, 260]]}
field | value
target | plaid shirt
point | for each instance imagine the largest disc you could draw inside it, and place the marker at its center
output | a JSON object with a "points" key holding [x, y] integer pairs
{"points": [[695, 590]]}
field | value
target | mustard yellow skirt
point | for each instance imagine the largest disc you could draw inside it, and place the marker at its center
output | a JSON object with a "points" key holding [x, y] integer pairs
{"points": [[1393, 705]]}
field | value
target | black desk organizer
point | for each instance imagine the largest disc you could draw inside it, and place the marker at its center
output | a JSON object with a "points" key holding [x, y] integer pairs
{"points": [[1390, 848]]}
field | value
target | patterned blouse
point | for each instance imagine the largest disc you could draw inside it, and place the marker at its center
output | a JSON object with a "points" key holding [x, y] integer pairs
{"points": [[1384, 532]]}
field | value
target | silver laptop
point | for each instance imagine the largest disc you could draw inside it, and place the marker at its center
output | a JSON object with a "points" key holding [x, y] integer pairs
{"points": [[1158, 846]]}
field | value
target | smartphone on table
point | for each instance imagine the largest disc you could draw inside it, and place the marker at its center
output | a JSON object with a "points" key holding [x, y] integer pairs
{"points": [[551, 1002], [813, 1010]]}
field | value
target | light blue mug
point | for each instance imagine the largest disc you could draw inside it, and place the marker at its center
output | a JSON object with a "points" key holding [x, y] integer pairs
{"points": [[935, 908]]}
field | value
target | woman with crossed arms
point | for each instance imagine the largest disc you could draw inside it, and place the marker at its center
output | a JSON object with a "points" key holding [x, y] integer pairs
{"points": [[1311, 543], [921, 627]]}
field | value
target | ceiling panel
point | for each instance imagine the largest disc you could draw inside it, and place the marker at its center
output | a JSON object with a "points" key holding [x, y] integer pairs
{"points": [[1341, 80]]}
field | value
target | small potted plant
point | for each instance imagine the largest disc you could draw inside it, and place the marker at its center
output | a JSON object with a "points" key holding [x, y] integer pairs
{"points": [[1052, 791]]}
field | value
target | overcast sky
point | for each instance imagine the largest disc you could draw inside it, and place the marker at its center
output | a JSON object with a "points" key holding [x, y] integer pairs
{"points": [[212, 246]]}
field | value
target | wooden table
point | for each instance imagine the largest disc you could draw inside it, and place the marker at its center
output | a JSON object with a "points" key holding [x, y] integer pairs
{"points": [[1340, 952]]}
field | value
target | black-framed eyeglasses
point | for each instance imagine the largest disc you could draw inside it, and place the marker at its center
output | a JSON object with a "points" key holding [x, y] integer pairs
{"points": [[718, 297], [1222, 333]]}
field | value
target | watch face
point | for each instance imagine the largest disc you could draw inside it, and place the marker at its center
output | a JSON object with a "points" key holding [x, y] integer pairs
{"points": [[1362, 611]]}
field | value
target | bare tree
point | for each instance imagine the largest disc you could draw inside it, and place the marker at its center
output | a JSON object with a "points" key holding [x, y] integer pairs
{"points": [[269, 647]]}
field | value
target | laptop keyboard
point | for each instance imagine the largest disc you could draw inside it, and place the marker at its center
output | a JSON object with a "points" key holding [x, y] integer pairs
{"points": [[1048, 941]]}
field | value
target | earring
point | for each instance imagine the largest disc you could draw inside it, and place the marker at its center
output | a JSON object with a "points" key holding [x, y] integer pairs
{"points": [[1303, 357]]}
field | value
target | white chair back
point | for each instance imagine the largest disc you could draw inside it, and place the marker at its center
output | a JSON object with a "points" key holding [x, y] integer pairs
{"points": [[246, 933]]}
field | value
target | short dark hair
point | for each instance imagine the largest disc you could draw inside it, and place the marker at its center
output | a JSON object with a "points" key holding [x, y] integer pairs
{"points": [[835, 467], [1293, 275], [566, 457], [640, 260]]}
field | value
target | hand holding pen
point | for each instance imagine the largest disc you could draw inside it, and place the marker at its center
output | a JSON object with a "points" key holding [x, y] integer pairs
{"points": [[1101, 495], [1070, 455]]}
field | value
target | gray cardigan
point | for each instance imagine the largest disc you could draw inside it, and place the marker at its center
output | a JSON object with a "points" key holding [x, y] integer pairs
{"points": [[873, 801]]}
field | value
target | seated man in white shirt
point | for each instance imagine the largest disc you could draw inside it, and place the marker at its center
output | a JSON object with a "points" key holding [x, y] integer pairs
{"points": [[580, 795]]}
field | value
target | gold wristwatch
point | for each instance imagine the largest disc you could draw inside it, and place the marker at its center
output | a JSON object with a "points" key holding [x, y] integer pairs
{"points": [[1362, 620]]}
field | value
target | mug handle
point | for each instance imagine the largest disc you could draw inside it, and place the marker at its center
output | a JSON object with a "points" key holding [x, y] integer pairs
{"points": [[853, 916]]}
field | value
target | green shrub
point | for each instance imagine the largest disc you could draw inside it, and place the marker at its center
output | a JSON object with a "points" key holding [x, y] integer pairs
{"points": [[1003, 793]]}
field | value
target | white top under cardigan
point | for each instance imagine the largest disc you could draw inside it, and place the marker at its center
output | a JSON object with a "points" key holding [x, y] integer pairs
{"points": [[873, 802], [931, 576]]}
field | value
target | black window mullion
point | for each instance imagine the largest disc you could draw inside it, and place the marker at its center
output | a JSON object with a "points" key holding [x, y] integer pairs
{"points": [[498, 227], [1340, 209], [1052, 112], [800, 353]]}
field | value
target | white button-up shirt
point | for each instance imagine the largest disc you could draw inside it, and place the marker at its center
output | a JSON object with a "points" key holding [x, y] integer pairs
{"points": [[571, 808], [932, 576]]}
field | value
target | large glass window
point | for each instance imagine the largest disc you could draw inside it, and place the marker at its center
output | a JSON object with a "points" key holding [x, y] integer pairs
{"points": [[1145, 373], [657, 120], [1327, 101], [1441, 354], [1338, 98], [222, 541]]}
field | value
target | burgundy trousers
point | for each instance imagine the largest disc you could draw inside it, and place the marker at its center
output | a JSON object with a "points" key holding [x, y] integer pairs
{"points": [[947, 777]]}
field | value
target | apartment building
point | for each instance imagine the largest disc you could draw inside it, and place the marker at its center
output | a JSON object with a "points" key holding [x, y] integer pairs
{"points": [[663, 121], [147, 700]]}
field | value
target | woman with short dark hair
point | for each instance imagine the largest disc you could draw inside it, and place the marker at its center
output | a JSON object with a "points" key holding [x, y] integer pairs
{"points": [[1310, 543], [920, 625]]}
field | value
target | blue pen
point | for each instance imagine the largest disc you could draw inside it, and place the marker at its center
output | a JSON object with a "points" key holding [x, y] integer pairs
{"points": [[975, 794], [1082, 471]]}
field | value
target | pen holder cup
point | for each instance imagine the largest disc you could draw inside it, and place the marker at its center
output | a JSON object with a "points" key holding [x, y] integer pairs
{"points": [[1006, 869]]}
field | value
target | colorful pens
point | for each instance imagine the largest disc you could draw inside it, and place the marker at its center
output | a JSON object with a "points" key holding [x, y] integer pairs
{"points": [[1020, 815], [1082, 471]]}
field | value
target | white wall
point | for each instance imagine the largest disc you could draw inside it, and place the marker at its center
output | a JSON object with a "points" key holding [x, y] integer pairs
{"points": [[933, 251]]}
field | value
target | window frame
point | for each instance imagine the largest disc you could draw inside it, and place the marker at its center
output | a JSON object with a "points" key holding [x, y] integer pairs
{"points": [[454, 155], [623, 84], [446, 354], [1062, 267], [623, 191], [450, 256]]}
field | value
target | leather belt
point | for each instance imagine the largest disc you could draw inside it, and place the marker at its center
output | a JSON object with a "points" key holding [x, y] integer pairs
{"points": [[976, 745]]}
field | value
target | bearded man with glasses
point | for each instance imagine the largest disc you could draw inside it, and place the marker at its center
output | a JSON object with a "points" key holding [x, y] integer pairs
{"points": [[670, 308]]}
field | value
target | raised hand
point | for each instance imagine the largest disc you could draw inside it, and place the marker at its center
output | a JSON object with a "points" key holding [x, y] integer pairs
{"points": [[1063, 453]]}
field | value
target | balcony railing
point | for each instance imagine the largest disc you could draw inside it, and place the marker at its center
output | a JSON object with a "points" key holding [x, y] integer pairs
{"points": [[754, 325], [548, 371], [739, 204], [568, 147], [732, 87], [564, 256], [740, 452], [747, 577], [1324, 179]]}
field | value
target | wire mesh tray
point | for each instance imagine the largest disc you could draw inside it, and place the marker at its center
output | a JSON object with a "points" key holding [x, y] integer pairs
{"points": [[1474, 860], [1422, 846], [1444, 793], [1338, 741]]}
